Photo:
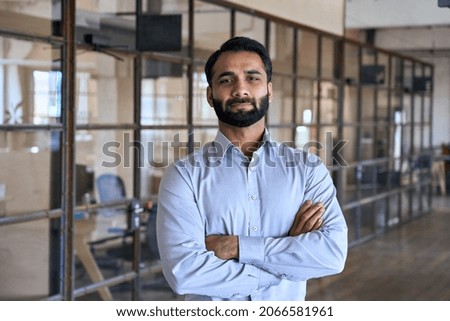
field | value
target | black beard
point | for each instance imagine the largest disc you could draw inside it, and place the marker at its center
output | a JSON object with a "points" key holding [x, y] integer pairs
{"points": [[241, 118]]}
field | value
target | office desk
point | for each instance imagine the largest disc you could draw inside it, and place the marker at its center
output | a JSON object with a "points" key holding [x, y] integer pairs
{"points": [[84, 229]]}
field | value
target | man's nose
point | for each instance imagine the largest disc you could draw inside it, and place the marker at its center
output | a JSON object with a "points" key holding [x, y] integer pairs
{"points": [[240, 88]]}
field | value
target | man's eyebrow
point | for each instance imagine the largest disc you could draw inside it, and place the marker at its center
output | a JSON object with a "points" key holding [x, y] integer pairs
{"points": [[253, 72], [225, 74], [248, 72]]}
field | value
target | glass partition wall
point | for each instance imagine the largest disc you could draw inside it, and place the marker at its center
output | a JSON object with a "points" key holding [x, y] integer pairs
{"points": [[128, 108]]}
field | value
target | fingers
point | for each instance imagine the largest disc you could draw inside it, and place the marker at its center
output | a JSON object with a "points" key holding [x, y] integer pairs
{"points": [[308, 218], [306, 206]]}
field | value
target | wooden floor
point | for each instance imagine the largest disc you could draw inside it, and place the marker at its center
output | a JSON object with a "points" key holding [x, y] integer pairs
{"points": [[407, 263]]}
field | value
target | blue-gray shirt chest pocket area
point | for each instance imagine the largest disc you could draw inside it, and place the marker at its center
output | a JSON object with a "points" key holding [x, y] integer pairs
{"points": [[225, 215]]}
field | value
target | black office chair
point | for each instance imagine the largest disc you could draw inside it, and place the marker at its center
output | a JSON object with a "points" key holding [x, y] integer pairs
{"points": [[111, 188]]}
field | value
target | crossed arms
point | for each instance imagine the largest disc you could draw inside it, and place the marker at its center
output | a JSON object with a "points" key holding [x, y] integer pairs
{"points": [[307, 219]]}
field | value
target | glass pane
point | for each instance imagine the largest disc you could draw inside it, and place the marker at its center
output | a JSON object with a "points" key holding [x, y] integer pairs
{"points": [[381, 142], [281, 48], [418, 138], [397, 74], [328, 139], [164, 94], [380, 212], [367, 142], [368, 106], [307, 54], [306, 137], [382, 177], [407, 140], [351, 193], [418, 109], [250, 26], [306, 113], [161, 148], [408, 75], [107, 152], [383, 61], [352, 218], [280, 111], [351, 105], [25, 157], [25, 264], [427, 110], [328, 58], [351, 61], [382, 108], [407, 107], [203, 113], [405, 198], [367, 220], [100, 73], [328, 102], [348, 151], [30, 85], [426, 137], [394, 212], [104, 173]]}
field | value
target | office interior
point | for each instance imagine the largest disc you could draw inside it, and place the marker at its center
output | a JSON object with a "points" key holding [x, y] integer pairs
{"points": [[98, 97]]}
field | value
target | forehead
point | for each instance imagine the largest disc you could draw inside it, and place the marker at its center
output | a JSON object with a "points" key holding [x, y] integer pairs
{"points": [[239, 61]]}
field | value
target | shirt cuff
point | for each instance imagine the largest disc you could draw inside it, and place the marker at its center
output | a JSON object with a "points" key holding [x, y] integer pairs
{"points": [[251, 249]]}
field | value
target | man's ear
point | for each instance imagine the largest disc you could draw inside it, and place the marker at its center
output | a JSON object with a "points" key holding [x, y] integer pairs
{"points": [[269, 91], [209, 96]]}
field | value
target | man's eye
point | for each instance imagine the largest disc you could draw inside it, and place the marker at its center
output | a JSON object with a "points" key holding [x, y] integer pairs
{"points": [[253, 78], [224, 81]]}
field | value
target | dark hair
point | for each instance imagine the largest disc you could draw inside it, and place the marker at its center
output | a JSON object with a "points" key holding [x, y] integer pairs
{"points": [[240, 44]]}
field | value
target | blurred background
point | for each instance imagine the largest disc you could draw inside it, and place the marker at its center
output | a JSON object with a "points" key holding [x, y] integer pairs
{"points": [[97, 97]]}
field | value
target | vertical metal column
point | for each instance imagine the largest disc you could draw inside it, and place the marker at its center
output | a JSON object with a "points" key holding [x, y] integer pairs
{"points": [[232, 23], [339, 68], [68, 111], [138, 153], [294, 84], [430, 136], [190, 71], [319, 85], [389, 151]]}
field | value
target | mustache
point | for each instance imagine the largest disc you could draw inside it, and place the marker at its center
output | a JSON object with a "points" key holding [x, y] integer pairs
{"points": [[240, 101]]}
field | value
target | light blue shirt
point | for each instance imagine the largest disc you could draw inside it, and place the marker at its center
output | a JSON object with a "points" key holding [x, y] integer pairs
{"points": [[217, 190]]}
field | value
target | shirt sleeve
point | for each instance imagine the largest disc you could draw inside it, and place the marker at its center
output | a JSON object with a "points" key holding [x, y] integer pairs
{"points": [[187, 265], [309, 255]]}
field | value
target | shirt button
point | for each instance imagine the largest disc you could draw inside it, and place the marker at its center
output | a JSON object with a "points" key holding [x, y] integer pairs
{"points": [[255, 228], [256, 291], [253, 197]]}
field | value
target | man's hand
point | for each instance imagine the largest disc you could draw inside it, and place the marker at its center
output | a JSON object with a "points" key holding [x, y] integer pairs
{"points": [[225, 247], [308, 218]]}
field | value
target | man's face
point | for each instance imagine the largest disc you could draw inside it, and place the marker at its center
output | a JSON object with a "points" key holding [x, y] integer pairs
{"points": [[239, 92]]}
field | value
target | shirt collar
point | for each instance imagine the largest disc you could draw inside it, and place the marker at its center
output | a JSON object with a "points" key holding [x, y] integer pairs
{"points": [[222, 143]]}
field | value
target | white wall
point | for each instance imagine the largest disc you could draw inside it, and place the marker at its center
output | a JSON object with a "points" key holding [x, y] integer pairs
{"points": [[326, 15], [363, 14]]}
